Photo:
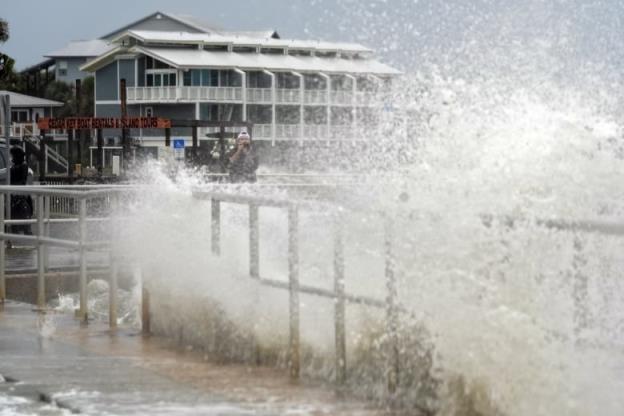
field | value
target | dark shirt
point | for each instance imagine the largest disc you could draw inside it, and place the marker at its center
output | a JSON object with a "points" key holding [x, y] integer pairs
{"points": [[244, 168], [21, 205], [19, 174]]}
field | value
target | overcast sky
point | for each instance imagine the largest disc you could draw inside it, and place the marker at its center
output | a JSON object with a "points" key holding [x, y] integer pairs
{"points": [[404, 31]]}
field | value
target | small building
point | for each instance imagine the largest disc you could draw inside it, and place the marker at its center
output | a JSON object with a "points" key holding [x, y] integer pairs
{"points": [[25, 111]]}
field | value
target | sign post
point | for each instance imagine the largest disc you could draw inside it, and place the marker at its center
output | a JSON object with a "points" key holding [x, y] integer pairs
{"points": [[6, 107], [178, 149]]}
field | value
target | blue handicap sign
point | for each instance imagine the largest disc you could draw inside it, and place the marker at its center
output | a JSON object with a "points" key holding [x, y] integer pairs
{"points": [[178, 143]]}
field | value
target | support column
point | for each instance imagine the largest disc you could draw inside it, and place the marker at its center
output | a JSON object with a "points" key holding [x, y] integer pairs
{"points": [[273, 104], [125, 142], [353, 104], [301, 102], [244, 93], [100, 152], [6, 106], [43, 156], [70, 153], [328, 107]]}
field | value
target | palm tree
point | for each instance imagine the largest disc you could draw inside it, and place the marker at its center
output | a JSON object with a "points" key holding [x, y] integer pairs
{"points": [[4, 30]]}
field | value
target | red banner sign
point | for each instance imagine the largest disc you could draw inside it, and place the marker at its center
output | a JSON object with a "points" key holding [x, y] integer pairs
{"points": [[86, 123]]}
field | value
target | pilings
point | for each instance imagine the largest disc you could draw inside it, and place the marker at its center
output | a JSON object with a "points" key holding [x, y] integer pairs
{"points": [[41, 301], [2, 252], [392, 313], [294, 361], [82, 232], [254, 242], [340, 333]]}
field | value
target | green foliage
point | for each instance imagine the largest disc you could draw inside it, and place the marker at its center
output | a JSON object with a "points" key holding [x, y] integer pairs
{"points": [[4, 30], [60, 91], [9, 79]]}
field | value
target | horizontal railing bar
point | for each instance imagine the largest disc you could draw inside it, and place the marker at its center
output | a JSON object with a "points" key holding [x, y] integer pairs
{"points": [[93, 268], [39, 240], [241, 199], [600, 227], [311, 290], [54, 221]]}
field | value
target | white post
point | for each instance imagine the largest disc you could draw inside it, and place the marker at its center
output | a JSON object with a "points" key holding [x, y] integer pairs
{"points": [[273, 103], [41, 301], [82, 231], [301, 101], [353, 104], [2, 252], [328, 105], [244, 88]]}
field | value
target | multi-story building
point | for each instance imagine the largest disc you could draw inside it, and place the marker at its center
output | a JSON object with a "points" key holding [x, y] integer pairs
{"points": [[64, 64], [292, 91]]}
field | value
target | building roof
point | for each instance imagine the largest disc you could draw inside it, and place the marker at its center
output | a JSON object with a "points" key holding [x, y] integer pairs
{"points": [[196, 58], [262, 34], [22, 100], [82, 48], [194, 22], [162, 37]]}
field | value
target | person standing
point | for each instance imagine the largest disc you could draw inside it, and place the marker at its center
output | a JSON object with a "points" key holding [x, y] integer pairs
{"points": [[243, 162], [21, 205]]}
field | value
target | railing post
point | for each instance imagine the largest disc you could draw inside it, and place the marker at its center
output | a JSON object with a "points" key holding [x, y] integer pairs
{"points": [[82, 224], [293, 280], [41, 301], [339, 307], [2, 251], [146, 322], [46, 248], [254, 242], [114, 265], [215, 228], [392, 316]]}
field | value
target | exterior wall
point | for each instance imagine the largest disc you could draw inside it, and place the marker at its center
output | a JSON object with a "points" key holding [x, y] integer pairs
{"points": [[141, 71], [106, 84], [126, 70], [162, 24], [108, 110], [171, 111], [73, 70]]}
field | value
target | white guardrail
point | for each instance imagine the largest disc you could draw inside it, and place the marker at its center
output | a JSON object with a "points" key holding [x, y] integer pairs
{"points": [[283, 96], [106, 199]]}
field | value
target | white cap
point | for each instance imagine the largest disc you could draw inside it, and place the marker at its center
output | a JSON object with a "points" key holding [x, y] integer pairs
{"points": [[243, 135]]}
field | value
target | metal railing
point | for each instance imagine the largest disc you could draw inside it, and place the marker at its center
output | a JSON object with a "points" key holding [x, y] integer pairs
{"points": [[294, 287], [283, 96], [217, 196], [84, 199]]}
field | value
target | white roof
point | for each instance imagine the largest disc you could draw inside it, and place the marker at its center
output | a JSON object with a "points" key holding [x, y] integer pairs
{"points": [[162, 37], [199, 58], [81, 48], [21, 100]]}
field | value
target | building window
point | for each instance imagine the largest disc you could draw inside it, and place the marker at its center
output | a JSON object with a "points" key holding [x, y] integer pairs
{"points": [[151, 63], [195, 77], [159, 78], [19, 116], [186, 79], [149, 112], [62, 68]]}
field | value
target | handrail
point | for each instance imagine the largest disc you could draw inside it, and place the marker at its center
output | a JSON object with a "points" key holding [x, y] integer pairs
{"points": [[217, 195]]}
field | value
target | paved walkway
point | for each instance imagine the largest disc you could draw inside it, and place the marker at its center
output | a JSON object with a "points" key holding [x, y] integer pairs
{"points": [[91, 371]]}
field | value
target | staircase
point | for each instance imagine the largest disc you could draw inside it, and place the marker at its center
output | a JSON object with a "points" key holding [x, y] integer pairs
{"points": [[54, 161]]}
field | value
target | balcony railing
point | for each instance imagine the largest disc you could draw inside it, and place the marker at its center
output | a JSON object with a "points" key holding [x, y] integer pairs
{"points": [[21, 130], [284, 132], [283, 96]]}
